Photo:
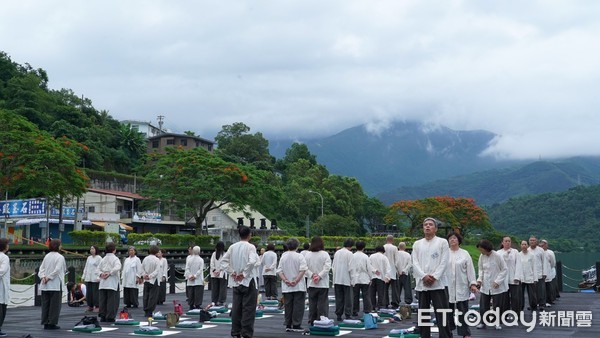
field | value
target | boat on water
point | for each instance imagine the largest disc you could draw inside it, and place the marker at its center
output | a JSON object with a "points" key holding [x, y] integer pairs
{"points": [[589, 278]]}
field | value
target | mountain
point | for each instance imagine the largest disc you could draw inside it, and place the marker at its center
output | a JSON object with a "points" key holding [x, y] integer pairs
{"points": [[570, 220], [406, 153], [495, 186]]}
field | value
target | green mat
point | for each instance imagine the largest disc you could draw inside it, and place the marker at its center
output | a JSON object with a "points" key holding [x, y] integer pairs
{"points": [[220, 320], [355, 326], [148, 333], [406, 335], [324, 333], [129, 322], [259, 314]]}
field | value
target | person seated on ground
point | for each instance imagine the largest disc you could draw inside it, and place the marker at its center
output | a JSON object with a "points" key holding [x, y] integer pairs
{"points": [[76, 295]]}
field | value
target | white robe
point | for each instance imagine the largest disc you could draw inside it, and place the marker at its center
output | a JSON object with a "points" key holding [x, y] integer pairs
{"points": [[269, 261], [132, 270], [240, 258], [551, 259], [391, 252], [4, 279], [291, 264], [194, 267], [539, 261], [319, 263], [90, 271], [461, 275], [215, 265], [342, 267], [430, 257], [111, 264], [151, 267], [529, 270], [54, 268], [380, 264], [510, 258], [403, 262], [362, 268], [492, 269]]}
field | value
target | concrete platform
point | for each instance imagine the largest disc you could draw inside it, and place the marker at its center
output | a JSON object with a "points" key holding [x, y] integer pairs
{"points": [[25, 320]]}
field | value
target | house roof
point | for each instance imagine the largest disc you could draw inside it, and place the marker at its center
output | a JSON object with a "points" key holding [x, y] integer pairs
{"points": [[117, 193], [160, 136], [235, 214]]}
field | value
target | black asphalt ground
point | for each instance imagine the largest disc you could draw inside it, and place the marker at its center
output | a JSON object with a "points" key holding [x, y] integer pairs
{"points": [[25, 320]]}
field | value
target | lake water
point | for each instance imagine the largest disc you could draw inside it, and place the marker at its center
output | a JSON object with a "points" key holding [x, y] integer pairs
{"points": [[573, 263]]}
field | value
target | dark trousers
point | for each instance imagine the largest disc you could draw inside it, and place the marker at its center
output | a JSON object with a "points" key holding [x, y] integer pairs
{"points": [[218, 290], [196, 296], [541, 293], [514, 299], [270, 286], [150, 298], [404, 286], [318, 303], [485, 301], [109, 304], [294, 308], [343, 300], [531, 294], [51, 304], [243, 312], [363, 289], [3, 315], [439, 298], [378, 293], [130, 297], [162, 293], [92, 294], [550, 298], [393, 284], [463, 329]]}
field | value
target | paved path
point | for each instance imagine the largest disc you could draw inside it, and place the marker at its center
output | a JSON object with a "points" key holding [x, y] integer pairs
{"points": [[25, 320]]}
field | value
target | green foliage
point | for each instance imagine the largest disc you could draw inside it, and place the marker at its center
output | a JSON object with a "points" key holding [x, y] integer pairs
{"points": [[181, 240], [569, 220], [338, 241], [196, 181], [237, 145], [87, 237], [335, 225]]}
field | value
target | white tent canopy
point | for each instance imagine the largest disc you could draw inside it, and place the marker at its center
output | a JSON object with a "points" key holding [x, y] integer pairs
{"points": [[30, 221]]}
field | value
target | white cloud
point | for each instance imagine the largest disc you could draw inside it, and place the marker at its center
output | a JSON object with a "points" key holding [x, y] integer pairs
{"points": [[526, 70]]}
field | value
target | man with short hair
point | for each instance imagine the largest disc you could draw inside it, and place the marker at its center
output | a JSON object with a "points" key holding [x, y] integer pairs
{"points": [[430, 258], [539, 255], [151, 274], [342, 280], [550, 261], [403, 266], [4, 282], [291, 270], [391, 252], [361, 279], [269, 265], [239, 262]]}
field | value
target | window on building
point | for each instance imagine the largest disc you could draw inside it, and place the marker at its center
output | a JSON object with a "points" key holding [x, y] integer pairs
{"points": [[92, 209], [170, 142], [183, 142], [155, 144]]}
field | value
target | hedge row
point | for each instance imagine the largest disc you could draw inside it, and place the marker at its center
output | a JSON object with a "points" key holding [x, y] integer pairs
{"points": [[173, 239], [87, 237], [338, 241]]}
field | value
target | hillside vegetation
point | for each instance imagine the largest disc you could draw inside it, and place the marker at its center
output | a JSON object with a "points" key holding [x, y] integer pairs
{"points": [[569, 220]]}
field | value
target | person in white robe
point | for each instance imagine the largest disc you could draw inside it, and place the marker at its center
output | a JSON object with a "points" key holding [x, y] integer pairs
{"points": [[380, 277], [391, 252], [151, 274], [218, 279], [4, 282], [319, 265], [194, 275], [461, 282], [361, 277], [291, 269], [110, 276], [512, 300], [91, 279], [403, 268], [52, 280], [527, 274], [131, 278], [342, 280], [269, 265], [491, 281], [538, 252]]}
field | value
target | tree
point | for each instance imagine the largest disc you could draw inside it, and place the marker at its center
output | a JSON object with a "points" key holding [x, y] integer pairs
{"points": [[459, 213], [34, 164], [336, 225], [196, 181], [236, 144]]}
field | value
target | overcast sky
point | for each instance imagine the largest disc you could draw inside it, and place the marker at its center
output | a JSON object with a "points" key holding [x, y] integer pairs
{"points": [[528, 70]]}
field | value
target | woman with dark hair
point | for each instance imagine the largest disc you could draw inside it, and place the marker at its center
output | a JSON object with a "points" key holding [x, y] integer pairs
{"points": [[77, 293], [218, 279], [194, 275], [269, 265], [52, 275], [319, 264], [131, 275], [492, 281], [110, 276], [91, 278], [461, 282], [164, 271]]}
